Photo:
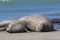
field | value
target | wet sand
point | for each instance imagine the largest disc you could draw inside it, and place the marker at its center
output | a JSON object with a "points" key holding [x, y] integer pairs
{"points": [[30, 36]]}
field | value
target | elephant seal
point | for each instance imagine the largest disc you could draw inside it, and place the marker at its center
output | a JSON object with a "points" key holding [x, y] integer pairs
{"points": [[35, 22]]}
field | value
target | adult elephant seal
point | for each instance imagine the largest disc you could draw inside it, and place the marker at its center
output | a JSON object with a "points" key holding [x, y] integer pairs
{"points": [[36, 22]]}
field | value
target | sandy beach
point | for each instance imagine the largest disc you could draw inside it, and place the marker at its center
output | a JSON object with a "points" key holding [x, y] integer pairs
{"points": [[30, 36]]}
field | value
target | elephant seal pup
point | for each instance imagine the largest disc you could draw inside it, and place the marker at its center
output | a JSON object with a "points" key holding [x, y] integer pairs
{"points": [[34, 22]]}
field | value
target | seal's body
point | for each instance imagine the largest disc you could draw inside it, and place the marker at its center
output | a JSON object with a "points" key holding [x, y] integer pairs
{"points": [[31, 23]]}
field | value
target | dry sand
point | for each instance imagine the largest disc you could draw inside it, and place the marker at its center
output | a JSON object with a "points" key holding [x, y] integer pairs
{"points": [[30, 36]]}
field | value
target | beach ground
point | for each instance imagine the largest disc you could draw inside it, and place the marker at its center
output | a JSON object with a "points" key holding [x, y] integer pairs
{"points": [[55, 35]]}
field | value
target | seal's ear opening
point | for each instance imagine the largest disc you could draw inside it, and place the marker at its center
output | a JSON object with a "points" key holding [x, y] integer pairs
{"points": [[45, 28]]}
